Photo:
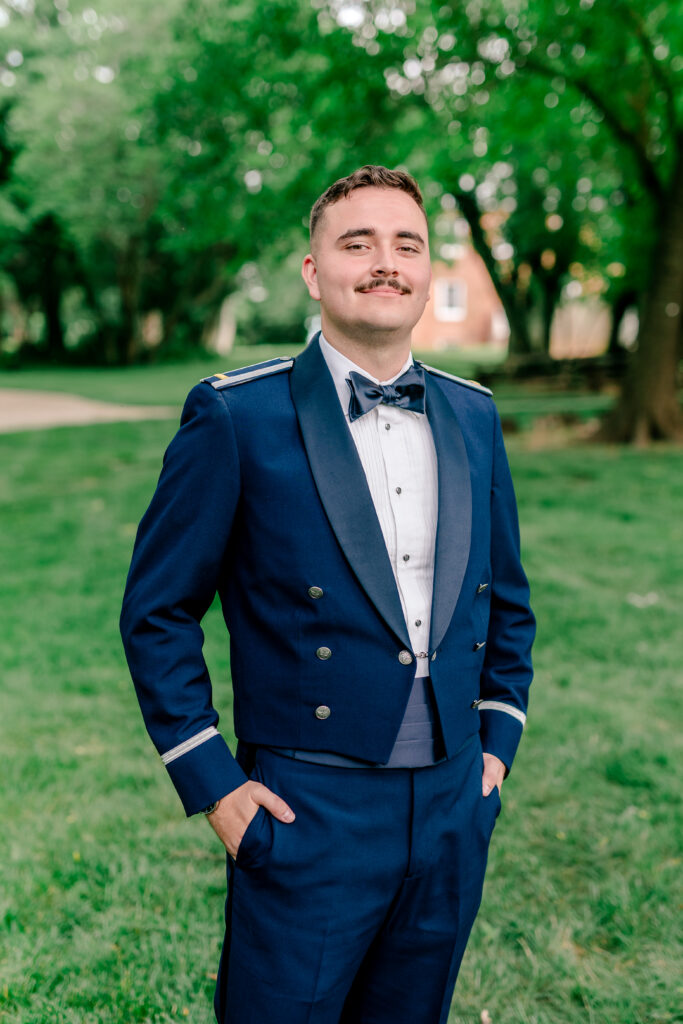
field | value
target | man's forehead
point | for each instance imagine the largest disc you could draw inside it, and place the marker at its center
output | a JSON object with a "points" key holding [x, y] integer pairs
{"points": [[372, 209]]}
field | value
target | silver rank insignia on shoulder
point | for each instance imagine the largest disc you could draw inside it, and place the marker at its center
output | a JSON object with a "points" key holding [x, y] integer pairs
{"points": [[232, 377], [474, 384]]}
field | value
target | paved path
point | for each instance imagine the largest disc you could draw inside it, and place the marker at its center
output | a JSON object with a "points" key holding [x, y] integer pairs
{"points": [[38, 410]]}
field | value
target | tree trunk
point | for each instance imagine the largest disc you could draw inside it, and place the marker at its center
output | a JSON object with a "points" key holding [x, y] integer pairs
{"points": [[130, 269], [648, 406], [50, 252], [550, 294], [52, 300], [520, 340]]}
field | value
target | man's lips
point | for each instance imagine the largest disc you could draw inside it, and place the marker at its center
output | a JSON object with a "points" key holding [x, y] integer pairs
{"points": [[393, 293]]}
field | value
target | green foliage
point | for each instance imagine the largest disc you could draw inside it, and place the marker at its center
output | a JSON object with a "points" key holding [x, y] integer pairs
{"points": [[79, 134], [111, 905], [149, 153], [559, 135]]}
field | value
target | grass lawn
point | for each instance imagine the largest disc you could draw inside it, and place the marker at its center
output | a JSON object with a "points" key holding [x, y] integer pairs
{"points": [[168, 383], [111, 902]]}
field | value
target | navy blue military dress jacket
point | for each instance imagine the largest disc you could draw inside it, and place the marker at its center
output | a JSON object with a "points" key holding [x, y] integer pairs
{"points": [[263, 499]]}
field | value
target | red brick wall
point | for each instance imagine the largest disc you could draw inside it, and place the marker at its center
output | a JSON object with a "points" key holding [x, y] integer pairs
{"points": [[482, 303]]}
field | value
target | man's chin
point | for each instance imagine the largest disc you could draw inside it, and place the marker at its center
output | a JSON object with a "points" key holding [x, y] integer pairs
{"points": [[383, 330]]}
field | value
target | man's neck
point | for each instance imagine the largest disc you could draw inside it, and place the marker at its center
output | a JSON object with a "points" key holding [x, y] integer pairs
{"points": [[381, 358]]}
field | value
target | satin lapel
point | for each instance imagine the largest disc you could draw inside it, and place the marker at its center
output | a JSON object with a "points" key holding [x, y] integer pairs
{"points": [[454, 528], [342, 486]]}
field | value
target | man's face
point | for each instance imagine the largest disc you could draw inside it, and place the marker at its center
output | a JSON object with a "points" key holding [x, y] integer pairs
{"points": [[370, 268]]}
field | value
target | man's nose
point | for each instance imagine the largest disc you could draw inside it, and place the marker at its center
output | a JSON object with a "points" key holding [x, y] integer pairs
{"points": [[384, 263]]}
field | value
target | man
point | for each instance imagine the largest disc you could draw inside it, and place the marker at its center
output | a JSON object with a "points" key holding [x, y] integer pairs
{"points": [[354, 510]]}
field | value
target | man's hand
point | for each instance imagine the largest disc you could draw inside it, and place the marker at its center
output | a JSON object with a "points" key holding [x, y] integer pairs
{"points": [[234, 812], [493, 774]]}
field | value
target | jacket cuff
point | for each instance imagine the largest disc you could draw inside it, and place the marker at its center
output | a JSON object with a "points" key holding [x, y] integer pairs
{"points": [[500, 730], [204, 774]]}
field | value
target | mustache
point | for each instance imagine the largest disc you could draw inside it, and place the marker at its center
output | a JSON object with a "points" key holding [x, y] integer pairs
{"points": [[384, 282]]}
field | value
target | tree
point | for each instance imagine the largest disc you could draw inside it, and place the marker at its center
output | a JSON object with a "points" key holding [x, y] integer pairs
{"points": [[580, 102], [174, 165], [641, 123], [611, 90], [84, 184], [265, 105], [281, 119]]}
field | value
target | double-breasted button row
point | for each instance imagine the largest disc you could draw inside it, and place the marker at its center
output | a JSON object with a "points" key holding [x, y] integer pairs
{"points": [[405, 657]]}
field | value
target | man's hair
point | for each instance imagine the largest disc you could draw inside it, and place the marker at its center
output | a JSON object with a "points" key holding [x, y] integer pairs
{"points": [[371, 175]]}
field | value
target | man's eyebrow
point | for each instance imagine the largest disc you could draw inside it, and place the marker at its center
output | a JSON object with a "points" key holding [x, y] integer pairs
{"points": [[356, 232], [370, 232], [411, 234]]}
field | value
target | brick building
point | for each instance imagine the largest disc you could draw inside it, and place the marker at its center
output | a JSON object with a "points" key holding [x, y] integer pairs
{"points": [[464, 310]]}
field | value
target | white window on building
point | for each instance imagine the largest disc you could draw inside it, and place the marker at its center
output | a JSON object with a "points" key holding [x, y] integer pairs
{"points": [[450, 299]]}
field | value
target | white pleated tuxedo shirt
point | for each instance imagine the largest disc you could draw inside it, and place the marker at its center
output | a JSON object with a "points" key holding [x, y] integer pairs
{"points": [[396, 449]]}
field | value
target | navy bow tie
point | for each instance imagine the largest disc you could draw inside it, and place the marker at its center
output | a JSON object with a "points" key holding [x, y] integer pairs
{"points": [[407, 392]]}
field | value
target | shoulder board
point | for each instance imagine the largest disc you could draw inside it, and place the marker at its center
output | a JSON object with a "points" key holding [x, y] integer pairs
{"points": [[232, 377], [473, 384]]}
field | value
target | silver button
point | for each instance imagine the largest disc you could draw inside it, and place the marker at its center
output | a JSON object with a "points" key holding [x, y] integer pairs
{"points": [[434, 656], [405, 657], [478, 647], [482, 586], [315, 592], [323, 653], [322, 712]]}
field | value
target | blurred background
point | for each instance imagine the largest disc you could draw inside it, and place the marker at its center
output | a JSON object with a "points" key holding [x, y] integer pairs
{"points": [[158, 163]]}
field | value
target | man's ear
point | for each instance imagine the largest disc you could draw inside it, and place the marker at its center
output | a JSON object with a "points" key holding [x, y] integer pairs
{"points": [[309, 272]]}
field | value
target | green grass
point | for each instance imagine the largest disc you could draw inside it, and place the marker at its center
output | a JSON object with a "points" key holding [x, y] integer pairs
{"points": [[165, 384], [169, 383], [111, 902]]}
